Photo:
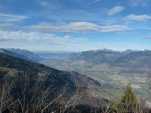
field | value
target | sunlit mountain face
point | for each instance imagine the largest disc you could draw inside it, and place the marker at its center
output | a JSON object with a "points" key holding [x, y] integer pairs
{"points": [[67, 25]]}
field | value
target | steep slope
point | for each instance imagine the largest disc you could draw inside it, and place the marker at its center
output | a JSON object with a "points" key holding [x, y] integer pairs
{"points": [[31, 83], [22, 54]]}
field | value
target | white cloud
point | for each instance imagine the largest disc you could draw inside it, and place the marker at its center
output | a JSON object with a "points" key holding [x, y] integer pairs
{"points": [[48, 42], [114, 28], [27, 36], [115, 10], [70, 27], [134, 17], [79, 27], [35, 37], [11, 18], [41, 41]]}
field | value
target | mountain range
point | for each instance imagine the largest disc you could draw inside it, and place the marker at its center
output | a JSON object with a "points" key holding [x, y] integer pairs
{"points": [[112, 69]]}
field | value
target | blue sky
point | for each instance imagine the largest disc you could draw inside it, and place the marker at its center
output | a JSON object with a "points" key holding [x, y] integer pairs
{"points": [[75, 25]]}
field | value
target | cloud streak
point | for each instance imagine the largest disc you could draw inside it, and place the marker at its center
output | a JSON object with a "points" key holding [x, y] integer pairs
{"points": [[115, 10], [10, 21], [11, 18], [26, 36], [79, 27], [34, 37], [41, 41], [133, 17]]}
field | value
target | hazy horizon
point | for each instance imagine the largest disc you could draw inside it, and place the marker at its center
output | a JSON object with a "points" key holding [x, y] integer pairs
{"points": [[103, 49]]}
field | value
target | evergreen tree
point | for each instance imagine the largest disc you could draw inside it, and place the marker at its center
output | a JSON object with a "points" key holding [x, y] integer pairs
{"points": [[129, 102]]}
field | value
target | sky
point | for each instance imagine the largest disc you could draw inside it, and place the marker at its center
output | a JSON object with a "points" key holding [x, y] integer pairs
{"points": [[75, 25]]}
